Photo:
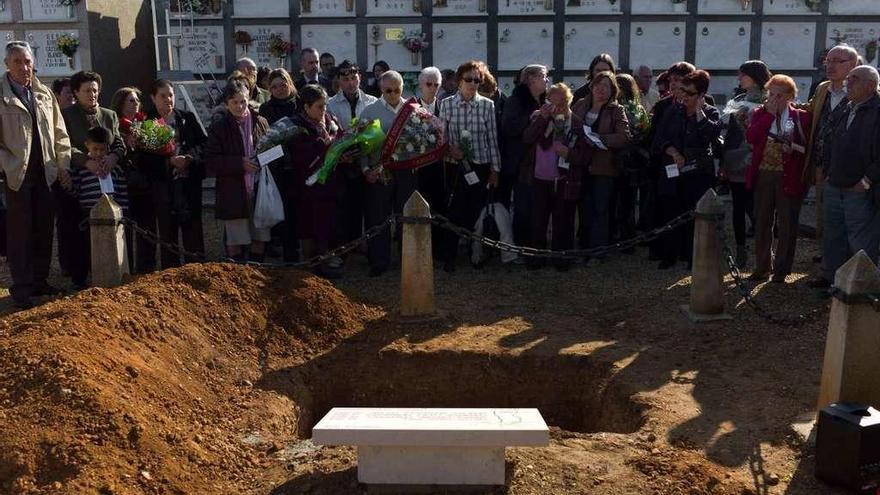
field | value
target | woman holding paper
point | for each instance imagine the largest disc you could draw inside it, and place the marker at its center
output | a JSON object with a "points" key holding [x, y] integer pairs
{"points": [[231, 157], [684, 139], [778, 141], [607, 131]]}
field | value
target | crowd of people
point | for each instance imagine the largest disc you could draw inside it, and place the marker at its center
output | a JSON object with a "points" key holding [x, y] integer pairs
{"points": [[575, 167]]}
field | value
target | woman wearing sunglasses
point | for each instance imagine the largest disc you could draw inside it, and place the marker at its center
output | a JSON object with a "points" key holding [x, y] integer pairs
{"points": [[684, 141], [473, 161]]}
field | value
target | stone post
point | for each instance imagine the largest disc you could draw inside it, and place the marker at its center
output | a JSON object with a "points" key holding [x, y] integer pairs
{"points": [[851, 371], [109, 258], [417, 265], [707, 289]]}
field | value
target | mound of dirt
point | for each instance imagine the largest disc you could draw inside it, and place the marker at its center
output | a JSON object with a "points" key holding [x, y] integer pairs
{"points": [[145, 388]]}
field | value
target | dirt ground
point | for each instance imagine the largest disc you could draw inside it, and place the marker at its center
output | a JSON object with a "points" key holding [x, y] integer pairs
{"points": [[207, 380]]}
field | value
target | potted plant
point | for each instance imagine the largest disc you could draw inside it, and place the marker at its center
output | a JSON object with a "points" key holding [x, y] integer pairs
{"points": [[679, 6], [68, 44], [279, 47], [416, 42], [243, 39]]}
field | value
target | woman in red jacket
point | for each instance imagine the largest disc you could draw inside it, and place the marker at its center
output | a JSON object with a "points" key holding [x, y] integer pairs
{"points": [[775, 175]]}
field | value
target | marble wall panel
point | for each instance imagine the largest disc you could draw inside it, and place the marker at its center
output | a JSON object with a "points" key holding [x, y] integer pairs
{"points": [[788, 45], [396, 8], [592, 7], [45, 10], [338, 39], [258, 50], [656, 44], [796, 7], [384, 44], [327, 8], [657, 7], [524, 43], [459, 7], [48, 59], [261, 8], [525, 7], [583, 40], [454, 43], [202, 49], [864, 36], [722, 45], [854, 7], [724, 7]]}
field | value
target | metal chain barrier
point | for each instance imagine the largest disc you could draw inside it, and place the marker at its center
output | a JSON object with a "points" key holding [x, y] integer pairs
{"points": [[746, 292]]}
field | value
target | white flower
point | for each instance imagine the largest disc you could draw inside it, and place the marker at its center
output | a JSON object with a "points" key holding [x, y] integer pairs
{"points": [[409, 147], [432, 139], [465, 134], [394, 157], [414, 119]]}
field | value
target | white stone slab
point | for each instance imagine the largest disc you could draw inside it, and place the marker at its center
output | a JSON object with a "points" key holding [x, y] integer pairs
{"points": [[205, 9], [7, 36], [396, 8], [459, 7], [523, 43], [44, 10], [656, 44], [795, 7], [382, 45], [600, 37], [258, 49], [525, 7], [6, 13], [338, 39], [200, 94], [327, 8], [854, 7], [657, 7], [202, 49], [863, 36], [788, 45], [261, 8], [723, 7], [722, 45], [431, 465], [48, 59], [453, 43], [431, 427], [591, 7]]}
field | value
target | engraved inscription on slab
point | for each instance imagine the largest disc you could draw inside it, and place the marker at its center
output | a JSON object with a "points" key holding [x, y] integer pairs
{"points": [[788, 45], [601, 37], [200, 49], [380, 47], [854, 7], [656, 44], [459, 7], [724, 7], [327, 8], [525, 7], [591, 7], [863, 36], [206, 9], [455, 43], [261, 8], [44, 10], [48, 59], [394, 8], [338, 39], [258, 49], [787, 7], [722, 45], [522, 43]]}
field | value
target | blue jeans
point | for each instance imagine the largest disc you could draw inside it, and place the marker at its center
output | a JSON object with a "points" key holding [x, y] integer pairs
{"points": [[597, 204], [852, 223]]}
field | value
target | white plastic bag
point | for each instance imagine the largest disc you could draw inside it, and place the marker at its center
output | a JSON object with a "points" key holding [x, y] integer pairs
{"points": [[504, 221], [269, 210]]}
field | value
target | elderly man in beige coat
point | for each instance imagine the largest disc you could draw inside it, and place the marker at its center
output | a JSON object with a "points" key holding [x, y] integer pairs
{"points": [[34, 153]]}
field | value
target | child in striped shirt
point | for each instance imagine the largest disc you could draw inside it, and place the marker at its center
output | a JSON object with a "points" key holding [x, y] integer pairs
{"points": [[90, 186]]}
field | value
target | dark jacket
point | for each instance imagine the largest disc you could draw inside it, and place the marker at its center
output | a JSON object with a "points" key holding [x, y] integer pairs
{"points": [[515, 119], [855, 151], [693, 139], [793, 184], [534, 136], [224, 157], [582, 93], [325, 83], [190, 137], [275, 109], [78, 125], [308, 151], [613, 128]]}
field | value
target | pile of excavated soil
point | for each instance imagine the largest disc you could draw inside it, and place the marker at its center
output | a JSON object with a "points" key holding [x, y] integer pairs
{"points": [[141, 388]]}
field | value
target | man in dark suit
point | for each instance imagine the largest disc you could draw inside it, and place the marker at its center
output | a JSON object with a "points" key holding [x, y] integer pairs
{"points": [[310, 71]]}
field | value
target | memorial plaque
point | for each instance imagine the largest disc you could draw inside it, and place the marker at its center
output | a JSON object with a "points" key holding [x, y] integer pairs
{"points": [[384, 43], [525, 7], [200, 9], [724, 7], [722, 45], [48, 59], [600, 37], [658, 7], [854, 7], [591, 7], [204, 95], [787, 7], [656, 44], [338, 39], [863, 36], [201, 49], [788, 45], [259, 47], [456, 43], [326, 8], [394, 8], [261, 8], [459, 7], [524, 43], [44, 10]]}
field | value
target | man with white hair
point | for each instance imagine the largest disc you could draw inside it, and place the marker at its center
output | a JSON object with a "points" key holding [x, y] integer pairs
{"points": [[248, 67], [310, 71], [34, 154], [826, 106], [852, 184], [644, 76]]}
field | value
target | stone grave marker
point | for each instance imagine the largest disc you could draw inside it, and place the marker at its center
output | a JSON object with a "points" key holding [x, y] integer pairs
{"points": [[591, 7], [459, 7], [656, 44], [523, 43], [201, 50], [258, 49], [722, 45], [601, 37], [46, 10], [863, 36], [788, 45], [456, 42], [338, 39], [525, 7], [723, 7], [850, 7], [327, 8], [48, 59], [384, 44], [396, 8], [783, 7], [261, 8]]}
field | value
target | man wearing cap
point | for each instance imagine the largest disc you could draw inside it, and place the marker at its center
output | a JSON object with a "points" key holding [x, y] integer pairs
{"points": [[34, 153]]}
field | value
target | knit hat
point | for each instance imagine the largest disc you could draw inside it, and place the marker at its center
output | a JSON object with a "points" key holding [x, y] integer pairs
{"points": [[757, 70]]}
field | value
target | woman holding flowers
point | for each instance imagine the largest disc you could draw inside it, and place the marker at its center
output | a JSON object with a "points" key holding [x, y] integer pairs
{"points": [[230, 155]]}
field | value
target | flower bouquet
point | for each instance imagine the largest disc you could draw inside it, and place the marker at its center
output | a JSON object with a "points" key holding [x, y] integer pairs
{"points": [[243, 39], [279, 47], [415, 139], [154, 136], [416, 42], [367, 136], [639, 120], [68, 45], [280, 132]]}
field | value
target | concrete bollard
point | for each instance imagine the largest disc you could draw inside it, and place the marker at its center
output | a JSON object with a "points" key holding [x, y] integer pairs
{"points": [[109, 257], [851, 369], [417, 264], [707, 289]]}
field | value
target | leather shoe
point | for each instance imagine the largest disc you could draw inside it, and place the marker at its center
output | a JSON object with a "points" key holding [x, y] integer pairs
{"points": [[23, 303], [47, 290]]}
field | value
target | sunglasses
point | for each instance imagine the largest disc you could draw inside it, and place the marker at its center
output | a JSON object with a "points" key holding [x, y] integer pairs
{"points": [[391, 91], [472, 80], [431, 84]]}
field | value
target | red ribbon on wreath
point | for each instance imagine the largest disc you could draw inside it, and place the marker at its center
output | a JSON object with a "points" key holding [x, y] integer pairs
{"points": [[394, 134]]}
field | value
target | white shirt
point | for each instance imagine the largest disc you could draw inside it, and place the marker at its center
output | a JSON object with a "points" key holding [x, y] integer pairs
{"points": [[339, 107], [778, 125], [431, 107], [835, 97], [393, 109]]}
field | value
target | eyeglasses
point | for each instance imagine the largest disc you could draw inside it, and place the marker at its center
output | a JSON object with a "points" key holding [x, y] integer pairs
{"points": [[389, 91], [431, 84], [472, 80]]}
